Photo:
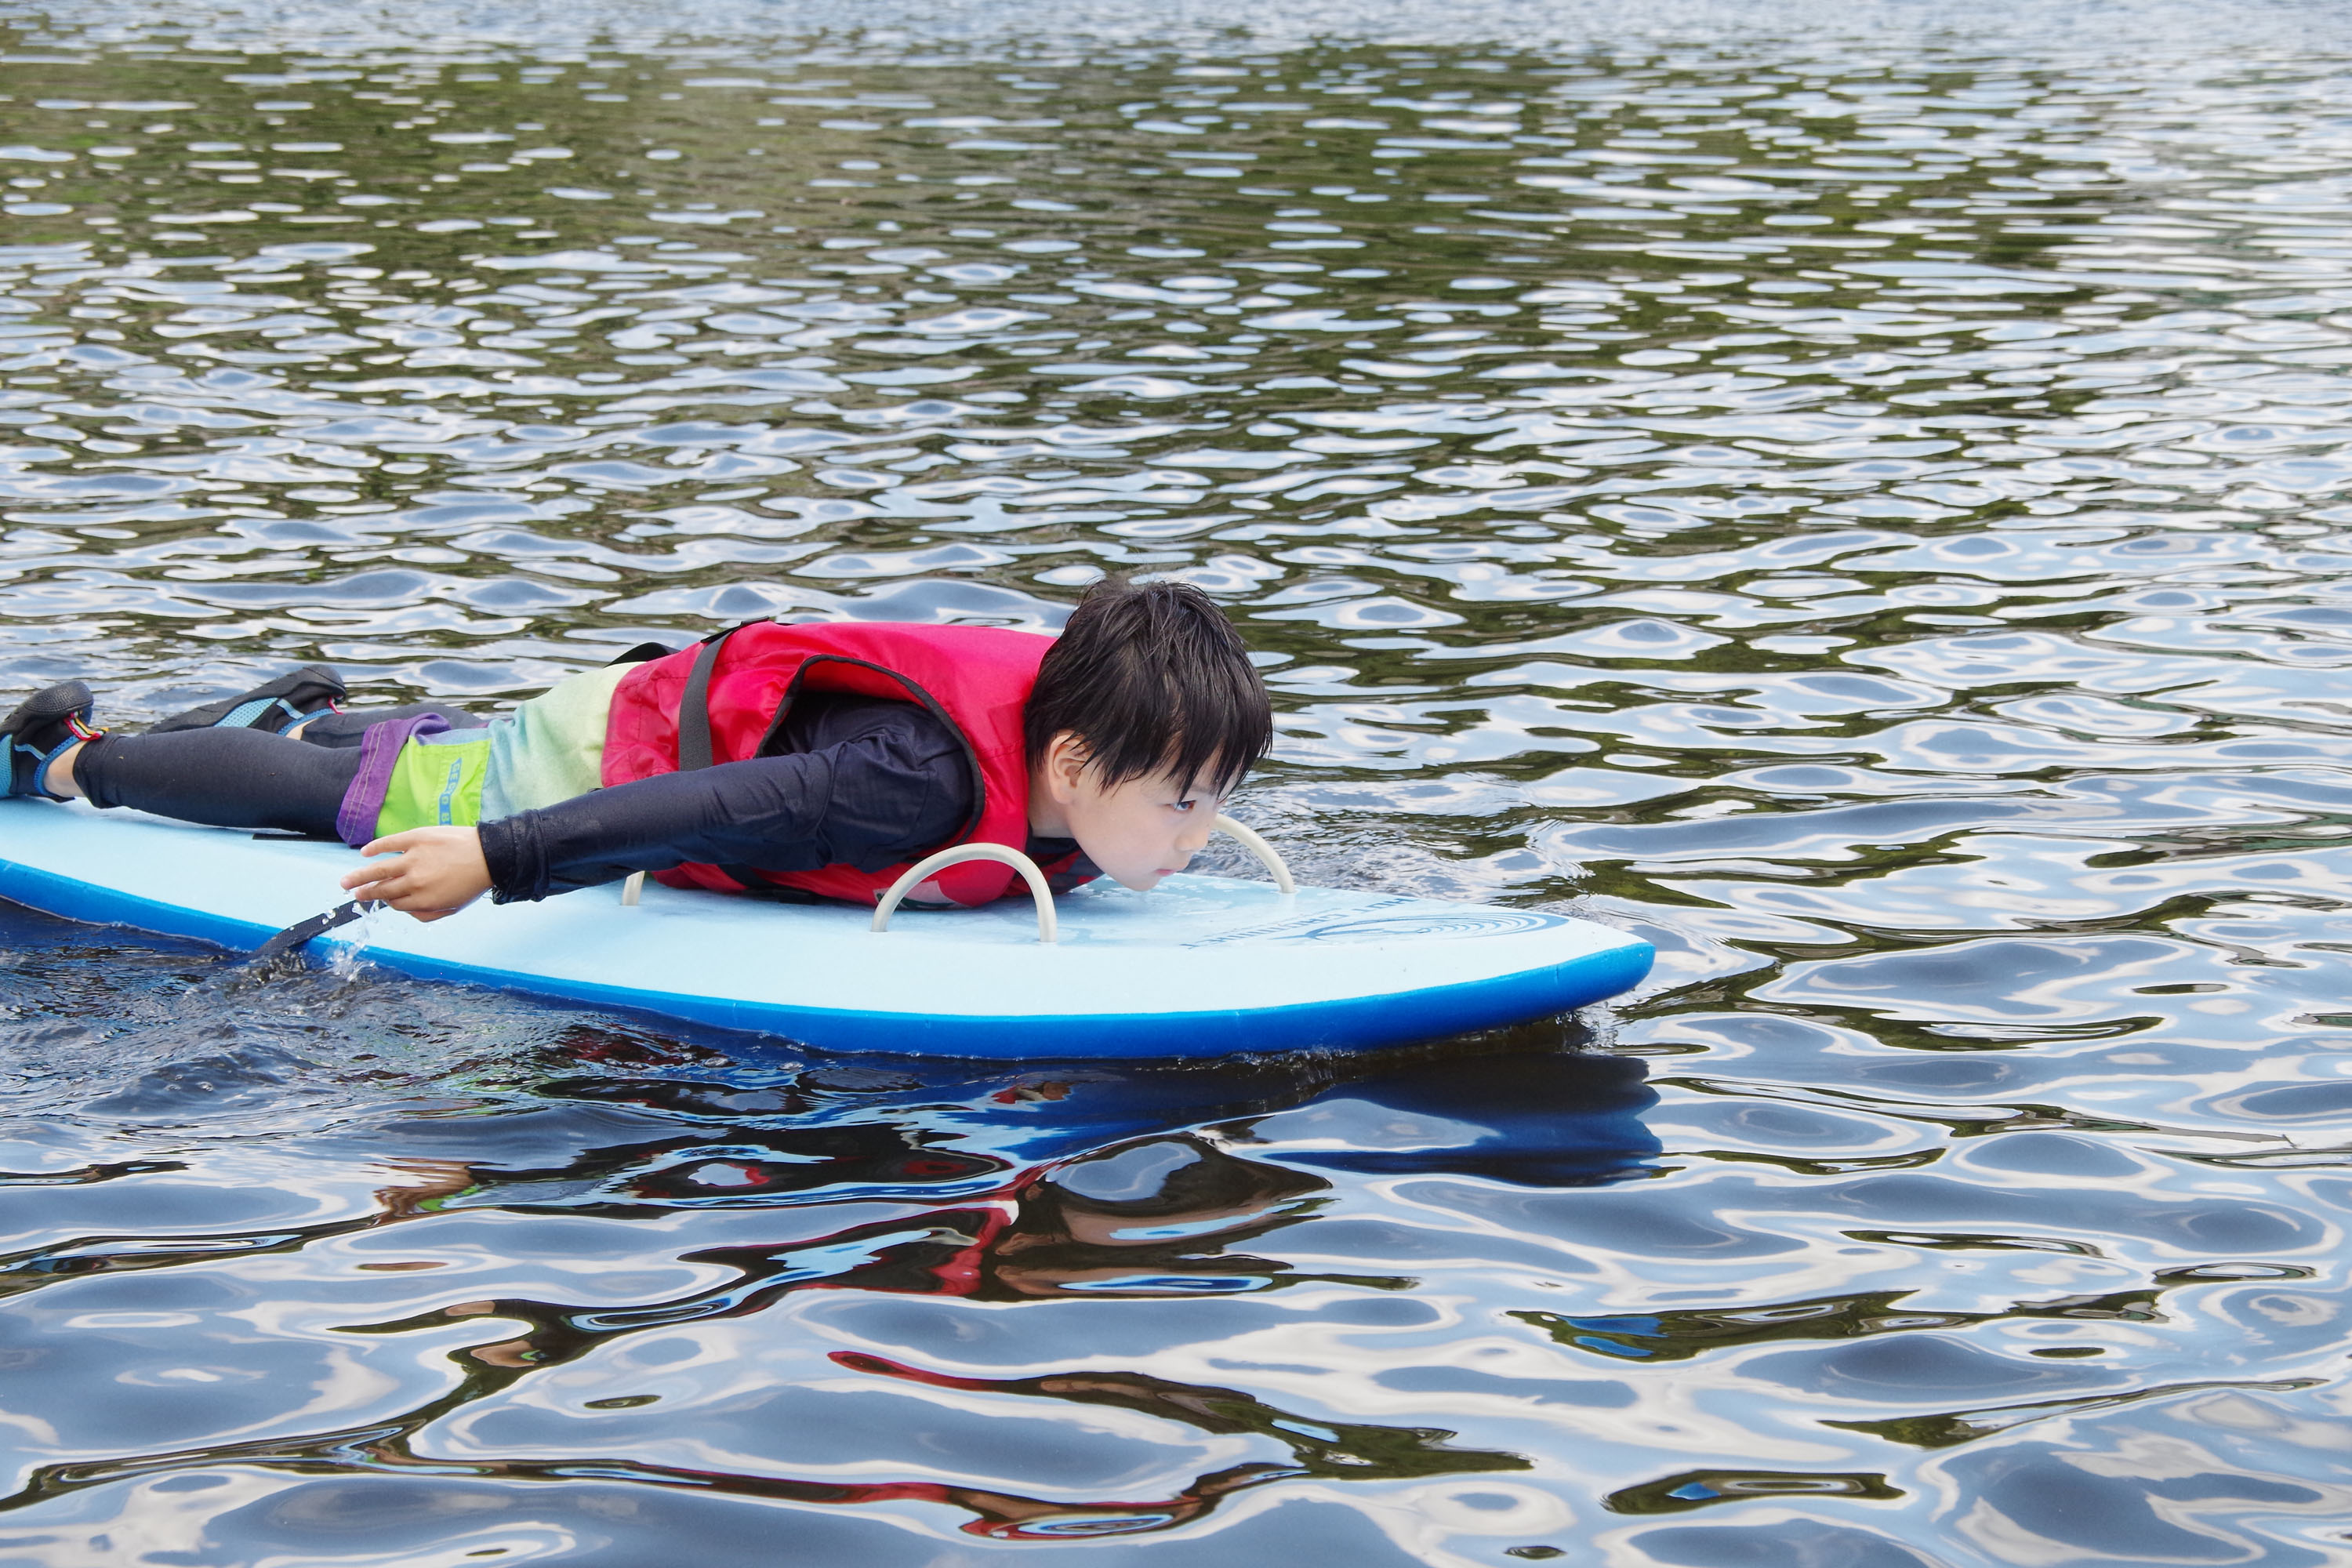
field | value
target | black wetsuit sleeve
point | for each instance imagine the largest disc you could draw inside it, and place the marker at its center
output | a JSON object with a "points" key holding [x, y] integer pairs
{"points": [[884, 782]]}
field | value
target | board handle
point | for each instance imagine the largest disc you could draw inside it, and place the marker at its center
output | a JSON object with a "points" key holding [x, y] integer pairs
{"points": [[634, 888], [1047, 929], [1249, 841]]}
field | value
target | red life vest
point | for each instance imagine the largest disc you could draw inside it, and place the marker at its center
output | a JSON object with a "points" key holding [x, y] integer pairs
{"points": [[976, 678]]}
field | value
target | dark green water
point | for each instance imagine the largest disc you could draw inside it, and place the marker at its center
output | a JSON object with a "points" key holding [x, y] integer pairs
{"points": [[1858, 494]]}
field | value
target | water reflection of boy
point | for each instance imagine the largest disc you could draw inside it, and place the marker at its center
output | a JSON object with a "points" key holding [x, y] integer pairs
{"points": [[1036, 1236], [1154, 1218], [1148, 1215]]}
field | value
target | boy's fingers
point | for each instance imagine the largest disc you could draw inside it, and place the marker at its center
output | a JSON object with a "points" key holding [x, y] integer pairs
{"points": [[364, 875], [406, 894], [413, 879], [405, 840]]}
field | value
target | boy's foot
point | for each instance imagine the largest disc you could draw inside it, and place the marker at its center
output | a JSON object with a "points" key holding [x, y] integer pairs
{"points": [[276, 706], [43, 725]]}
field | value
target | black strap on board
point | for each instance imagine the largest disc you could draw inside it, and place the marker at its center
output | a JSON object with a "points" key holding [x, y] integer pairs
{"points": [[301, 931]]}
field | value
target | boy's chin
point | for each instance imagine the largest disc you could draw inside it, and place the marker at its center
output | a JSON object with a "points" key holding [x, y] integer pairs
{"points": [[1137, 881]]}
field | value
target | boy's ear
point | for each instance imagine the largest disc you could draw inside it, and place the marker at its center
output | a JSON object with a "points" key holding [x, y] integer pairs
{"points": [[1066, 759]]}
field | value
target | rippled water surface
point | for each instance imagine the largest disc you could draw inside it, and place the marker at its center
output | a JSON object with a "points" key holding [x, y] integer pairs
{"points": [[1859, 495]]}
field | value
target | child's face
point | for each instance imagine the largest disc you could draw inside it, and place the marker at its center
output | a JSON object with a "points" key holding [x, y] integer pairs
{"points": [[1138, 831]]}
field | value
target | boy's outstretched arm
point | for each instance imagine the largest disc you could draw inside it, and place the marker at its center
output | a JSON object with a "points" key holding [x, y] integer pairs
{"points": [[427, 872], [891, 784]]}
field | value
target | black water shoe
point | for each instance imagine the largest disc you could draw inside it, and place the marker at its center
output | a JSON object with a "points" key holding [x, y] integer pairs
{"points": [[44, 724], [276, 706]]}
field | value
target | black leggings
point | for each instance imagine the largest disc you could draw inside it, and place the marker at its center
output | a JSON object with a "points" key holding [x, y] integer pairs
{"points": [[241, 778]]}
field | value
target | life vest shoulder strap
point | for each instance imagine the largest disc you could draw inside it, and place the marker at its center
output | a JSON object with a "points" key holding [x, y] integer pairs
{"points": [[694, 705], [694, 749]]}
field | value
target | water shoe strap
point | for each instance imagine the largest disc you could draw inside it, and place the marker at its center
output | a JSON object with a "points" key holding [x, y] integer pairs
{"points": [[76, 734], [282, 715]]}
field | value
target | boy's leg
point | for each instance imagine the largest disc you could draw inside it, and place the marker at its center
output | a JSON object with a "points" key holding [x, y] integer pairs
{"points": [[338, 729], [274, 706], [308, 705], [227, 778]]}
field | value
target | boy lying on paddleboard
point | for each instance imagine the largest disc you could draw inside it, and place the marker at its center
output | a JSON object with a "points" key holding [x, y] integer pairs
{"points": [[817, 760]]}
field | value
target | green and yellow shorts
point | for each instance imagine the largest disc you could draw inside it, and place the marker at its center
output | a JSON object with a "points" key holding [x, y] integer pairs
{"points": [[411, 779], [437, 781]]}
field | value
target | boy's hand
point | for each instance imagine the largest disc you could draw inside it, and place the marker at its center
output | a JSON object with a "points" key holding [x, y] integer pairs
{"points": [[435, 871]]}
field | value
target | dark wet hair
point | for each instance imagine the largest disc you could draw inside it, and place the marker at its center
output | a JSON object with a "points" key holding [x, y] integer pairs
{"points": [[1153, 678]]}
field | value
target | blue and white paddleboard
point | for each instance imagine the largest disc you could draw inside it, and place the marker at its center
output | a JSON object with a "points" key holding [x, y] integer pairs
{"points": [[1202, 966]]}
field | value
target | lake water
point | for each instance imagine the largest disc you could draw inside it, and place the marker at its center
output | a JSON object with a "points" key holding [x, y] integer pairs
{"points": [[1857, 494]]}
